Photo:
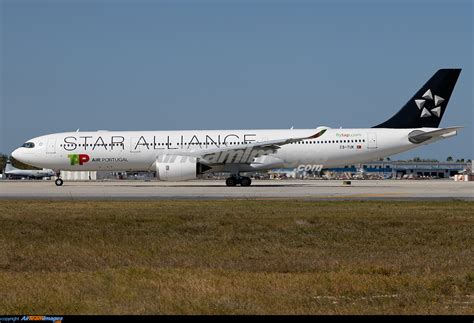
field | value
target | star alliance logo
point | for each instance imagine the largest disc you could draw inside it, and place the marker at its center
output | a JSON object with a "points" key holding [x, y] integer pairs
{"points": [[429, 105]]}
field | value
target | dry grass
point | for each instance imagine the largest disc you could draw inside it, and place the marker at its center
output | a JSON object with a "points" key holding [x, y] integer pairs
{"points": [[286, 256]]}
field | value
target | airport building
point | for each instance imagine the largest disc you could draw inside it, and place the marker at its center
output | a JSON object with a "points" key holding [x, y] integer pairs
{"points": [[385, 170], [403, 169], [79, 175]]}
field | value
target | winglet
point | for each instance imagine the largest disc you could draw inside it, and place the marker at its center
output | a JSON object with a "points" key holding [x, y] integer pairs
{"points": [[318, 134]]}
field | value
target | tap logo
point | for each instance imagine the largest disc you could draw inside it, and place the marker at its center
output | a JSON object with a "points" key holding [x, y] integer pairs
{"points": [[80, 159]]}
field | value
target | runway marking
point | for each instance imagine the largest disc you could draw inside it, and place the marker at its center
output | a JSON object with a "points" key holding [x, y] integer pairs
{"points": [[263, 191]]}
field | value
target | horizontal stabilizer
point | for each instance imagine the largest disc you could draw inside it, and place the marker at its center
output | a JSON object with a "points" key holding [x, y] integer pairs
{"points": [[419, 136]]}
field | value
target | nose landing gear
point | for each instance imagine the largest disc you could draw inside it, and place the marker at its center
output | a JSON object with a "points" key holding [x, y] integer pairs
{"points": [[58, 181]]}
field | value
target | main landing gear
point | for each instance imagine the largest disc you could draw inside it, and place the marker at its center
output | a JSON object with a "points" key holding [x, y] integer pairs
{"points": [[58, 181], [234, 180]]}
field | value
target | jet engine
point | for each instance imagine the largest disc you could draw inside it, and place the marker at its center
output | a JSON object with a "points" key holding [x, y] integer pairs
{"points": [[178, 168]]}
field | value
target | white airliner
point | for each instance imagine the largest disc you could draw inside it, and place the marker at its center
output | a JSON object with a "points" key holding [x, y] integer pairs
{"points": [[13, 172], [183, 155]]}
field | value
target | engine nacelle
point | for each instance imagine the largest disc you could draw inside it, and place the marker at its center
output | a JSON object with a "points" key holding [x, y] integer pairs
{"points": [[178, 168]]}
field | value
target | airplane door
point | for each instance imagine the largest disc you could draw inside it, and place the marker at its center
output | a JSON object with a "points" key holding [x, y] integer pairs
{"points": [[51, 146], [134, 147], [371, 140]]}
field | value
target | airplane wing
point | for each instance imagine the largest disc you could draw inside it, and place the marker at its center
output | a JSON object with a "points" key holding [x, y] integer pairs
{"points": [[245, 154], [419, 136]]}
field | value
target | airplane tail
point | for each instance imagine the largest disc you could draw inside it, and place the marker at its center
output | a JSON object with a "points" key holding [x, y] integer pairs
{"points": [[426, 108], [8, 166]]}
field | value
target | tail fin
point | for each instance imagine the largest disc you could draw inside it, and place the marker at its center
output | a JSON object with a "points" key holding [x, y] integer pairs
{"points": [[8, 166], [427, 106]]}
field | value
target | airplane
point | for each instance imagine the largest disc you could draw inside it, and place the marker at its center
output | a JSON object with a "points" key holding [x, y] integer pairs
{"points": [[12, 172], [185, 154]]}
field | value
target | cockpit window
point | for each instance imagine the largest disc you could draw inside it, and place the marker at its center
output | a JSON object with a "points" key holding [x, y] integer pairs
{"points": [[28, 145]]}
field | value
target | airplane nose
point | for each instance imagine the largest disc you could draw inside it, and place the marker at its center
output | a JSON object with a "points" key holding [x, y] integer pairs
{"points": [[16, 154]]}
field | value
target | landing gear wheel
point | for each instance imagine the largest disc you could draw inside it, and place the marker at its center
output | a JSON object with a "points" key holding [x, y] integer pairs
{"points": [[245, 181], [58, 182], [231, 181]]}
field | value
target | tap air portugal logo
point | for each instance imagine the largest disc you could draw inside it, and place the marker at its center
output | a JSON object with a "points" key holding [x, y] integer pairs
{"points": [[76, 159], [429, 105]]}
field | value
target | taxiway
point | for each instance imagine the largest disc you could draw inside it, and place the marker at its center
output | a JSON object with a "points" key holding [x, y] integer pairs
{"points": [[260, 189]]}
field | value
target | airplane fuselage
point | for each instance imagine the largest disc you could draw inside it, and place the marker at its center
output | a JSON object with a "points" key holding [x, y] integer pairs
{"points": [[138, 150]]}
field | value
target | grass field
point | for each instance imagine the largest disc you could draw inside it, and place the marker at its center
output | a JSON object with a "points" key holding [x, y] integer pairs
{"points": [[211, 257]]}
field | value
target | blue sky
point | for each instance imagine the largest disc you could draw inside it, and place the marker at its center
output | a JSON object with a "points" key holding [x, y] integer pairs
{"points": [[155, 65]]}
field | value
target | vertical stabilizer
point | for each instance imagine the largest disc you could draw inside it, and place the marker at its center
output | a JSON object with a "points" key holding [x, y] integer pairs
{"points": [[426, 108]]}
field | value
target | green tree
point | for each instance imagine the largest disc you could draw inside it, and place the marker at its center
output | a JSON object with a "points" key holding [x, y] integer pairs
{"points": [[3, 161], [449, 159]]}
